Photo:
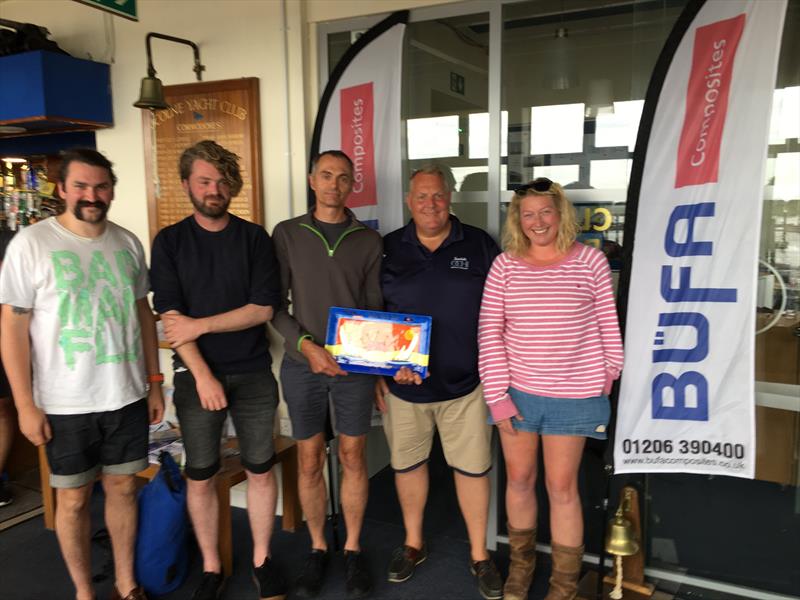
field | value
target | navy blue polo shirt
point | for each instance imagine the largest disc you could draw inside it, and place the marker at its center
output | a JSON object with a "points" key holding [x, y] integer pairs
{"points": [[447, 285]]}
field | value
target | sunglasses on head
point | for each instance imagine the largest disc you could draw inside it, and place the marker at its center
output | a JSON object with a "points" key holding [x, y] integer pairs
{"points": [[540, 184]]}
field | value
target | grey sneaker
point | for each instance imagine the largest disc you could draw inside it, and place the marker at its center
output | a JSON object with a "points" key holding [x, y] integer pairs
{"points": [[404, 560], [490, 584]]}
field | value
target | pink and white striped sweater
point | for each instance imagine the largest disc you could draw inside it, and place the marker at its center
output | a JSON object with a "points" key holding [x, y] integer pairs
{"points": [[551, 331]]}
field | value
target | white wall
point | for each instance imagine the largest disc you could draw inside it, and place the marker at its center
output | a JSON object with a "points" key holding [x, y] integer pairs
{"points": [[243, 40], [274, 40], [330, 10], [237, 38], [246, 39]]}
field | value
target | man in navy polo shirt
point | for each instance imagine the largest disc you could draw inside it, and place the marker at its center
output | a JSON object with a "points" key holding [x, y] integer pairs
{"points": [[436, 266]]}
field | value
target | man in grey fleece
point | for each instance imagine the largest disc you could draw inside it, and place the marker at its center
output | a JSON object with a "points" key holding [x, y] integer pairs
{"points": [[327, 258]]}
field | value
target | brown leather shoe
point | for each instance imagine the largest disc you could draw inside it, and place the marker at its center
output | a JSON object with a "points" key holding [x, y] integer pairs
{"points": [[523, 561], [136, 593], [404, 561], [490, 584]]}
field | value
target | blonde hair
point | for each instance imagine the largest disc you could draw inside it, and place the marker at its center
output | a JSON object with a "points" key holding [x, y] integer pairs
{"points": [[516, 243]]}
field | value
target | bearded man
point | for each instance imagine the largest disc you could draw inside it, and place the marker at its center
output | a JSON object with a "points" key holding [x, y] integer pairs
{"points": [[216, 283], [79, 347]]}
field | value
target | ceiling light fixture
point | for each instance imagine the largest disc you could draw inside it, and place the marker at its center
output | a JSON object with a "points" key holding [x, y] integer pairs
{"points": [[562, 74], [601, 98]]}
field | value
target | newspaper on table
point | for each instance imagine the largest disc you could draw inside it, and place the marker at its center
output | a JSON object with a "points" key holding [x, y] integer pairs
{"points": [[164, 437]]}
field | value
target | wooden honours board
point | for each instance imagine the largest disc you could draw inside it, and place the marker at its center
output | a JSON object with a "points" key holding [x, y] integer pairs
{"points": [[223, 111]]}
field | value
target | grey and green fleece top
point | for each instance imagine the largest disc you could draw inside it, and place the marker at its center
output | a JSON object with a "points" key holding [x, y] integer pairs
{"points": [[319, 276]]}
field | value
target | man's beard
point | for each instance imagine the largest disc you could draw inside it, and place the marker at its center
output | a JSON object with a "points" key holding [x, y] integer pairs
{"points": [[97, 217], [212, 212]]}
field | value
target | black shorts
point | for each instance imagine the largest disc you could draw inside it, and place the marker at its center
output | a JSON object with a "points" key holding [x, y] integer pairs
{"points": [[252, 402], [114, 441]]}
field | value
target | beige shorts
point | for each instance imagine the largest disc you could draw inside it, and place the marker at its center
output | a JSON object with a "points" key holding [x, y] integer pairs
{"points": [[463, 428]]}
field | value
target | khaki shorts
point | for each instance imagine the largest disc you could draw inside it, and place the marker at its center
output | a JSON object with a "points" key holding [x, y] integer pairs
{"points": [[463, 428]]}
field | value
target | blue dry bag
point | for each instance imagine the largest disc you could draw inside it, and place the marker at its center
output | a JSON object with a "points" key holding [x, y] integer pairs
{"points": [[162, 558]]}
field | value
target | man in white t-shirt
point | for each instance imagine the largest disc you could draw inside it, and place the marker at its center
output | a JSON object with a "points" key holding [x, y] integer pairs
{"points": [[75, 313]]}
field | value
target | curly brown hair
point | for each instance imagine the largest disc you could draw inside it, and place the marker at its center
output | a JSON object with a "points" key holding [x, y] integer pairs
{"points": [[225, 161]]}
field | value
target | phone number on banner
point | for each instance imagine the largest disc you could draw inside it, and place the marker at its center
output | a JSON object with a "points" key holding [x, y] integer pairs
{"points": [[725, 449]]}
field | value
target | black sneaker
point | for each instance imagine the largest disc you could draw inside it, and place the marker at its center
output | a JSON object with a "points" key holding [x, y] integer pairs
{"points": [[358, 581], [5, 494], [404, 559], [490, 584], [270, 582], [211, 587], [309, 583]]}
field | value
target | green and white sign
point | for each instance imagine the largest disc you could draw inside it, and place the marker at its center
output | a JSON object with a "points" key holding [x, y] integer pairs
{"points": [[123, 8]]}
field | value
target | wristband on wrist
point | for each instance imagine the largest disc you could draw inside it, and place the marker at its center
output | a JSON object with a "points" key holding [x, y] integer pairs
{"points": [[156, 378], [304, 337]]}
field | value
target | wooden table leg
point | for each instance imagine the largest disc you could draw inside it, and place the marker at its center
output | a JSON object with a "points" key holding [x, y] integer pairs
{"points": [[48, 493], [292, 512], [225, 532]]}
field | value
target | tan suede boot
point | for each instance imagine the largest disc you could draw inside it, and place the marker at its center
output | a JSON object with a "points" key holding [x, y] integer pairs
{"points": [[523, 561], [566, 570]]}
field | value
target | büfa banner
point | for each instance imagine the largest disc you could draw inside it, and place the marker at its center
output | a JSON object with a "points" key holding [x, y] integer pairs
{"points": [[687, 395], [359, 113]]}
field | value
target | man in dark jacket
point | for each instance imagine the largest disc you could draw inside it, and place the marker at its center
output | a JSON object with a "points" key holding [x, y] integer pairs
{"points": [[216, 283], [327, 258]]}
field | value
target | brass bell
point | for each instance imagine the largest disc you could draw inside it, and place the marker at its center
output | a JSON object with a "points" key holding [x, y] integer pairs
{"points": [[151, 95], [620, 538]]}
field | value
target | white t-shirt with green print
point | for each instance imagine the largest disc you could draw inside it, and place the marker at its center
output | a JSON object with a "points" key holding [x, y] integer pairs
{"points": [[86, 346]]}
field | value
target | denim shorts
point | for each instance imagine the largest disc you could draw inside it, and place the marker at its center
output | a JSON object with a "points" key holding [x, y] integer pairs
{"points": [[84, 444], [306, 395], [252, 401], [545, 415]]}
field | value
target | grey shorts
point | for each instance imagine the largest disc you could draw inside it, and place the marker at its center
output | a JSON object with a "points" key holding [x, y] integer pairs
{"points": [[252, 401], [306, 395]]}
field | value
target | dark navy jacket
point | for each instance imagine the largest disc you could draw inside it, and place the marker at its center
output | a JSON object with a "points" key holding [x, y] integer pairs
{"points": [[447, 285]]}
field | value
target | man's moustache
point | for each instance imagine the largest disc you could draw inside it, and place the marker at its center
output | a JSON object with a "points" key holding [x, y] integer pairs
{"points": [[88, 204]]}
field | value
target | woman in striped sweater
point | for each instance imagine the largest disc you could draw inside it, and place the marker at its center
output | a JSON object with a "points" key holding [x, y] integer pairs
{"points": [[550, 349]]}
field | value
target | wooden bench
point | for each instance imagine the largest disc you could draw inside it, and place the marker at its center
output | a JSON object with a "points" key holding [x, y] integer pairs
{"points": [[230, 473]]}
